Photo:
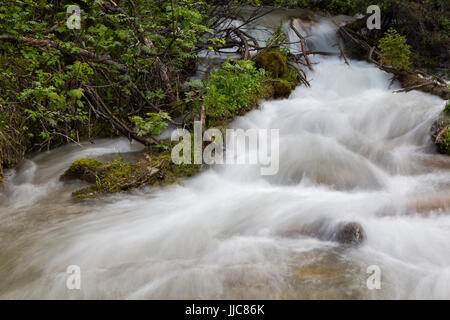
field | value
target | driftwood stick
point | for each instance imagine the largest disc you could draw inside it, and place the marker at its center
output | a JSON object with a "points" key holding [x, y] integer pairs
{"points": [[244, 41], [369, 57], [416, 87], [302, 40], [203, 115], [338, 42], [301, 75], [323, 53], [255, 42]]}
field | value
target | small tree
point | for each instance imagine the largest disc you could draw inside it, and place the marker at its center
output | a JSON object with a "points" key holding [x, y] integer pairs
{"points": [[394, 50]]}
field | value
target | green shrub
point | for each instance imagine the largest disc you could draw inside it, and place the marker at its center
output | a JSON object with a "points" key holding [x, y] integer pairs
{"points": [[445, 23], [447, 108], [342, 6], [446, 141], [394, 50], [151, 125], [235, 87], [43, 86]]}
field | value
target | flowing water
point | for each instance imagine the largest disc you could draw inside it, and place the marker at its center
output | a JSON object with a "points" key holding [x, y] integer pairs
{"points": [[350, 151]]}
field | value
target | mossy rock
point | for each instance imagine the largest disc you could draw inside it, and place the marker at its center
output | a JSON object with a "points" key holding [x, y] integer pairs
{"points": [[273, 61], [82, 169], [440, 132], [283, 89], [442, 140], [89, 192], [447, 108], [169, 172], [155, 169]]}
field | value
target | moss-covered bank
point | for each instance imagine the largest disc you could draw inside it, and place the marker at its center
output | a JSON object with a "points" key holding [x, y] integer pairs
{"points": [[440, 131], [154, 169]]}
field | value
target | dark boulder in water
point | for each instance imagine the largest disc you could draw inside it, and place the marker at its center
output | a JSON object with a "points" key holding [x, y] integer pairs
{"points": [[350, 233], [346, 233]]}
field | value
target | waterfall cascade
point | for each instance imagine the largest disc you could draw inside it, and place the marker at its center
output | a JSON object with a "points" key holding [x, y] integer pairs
{"points": [[350, 151]]}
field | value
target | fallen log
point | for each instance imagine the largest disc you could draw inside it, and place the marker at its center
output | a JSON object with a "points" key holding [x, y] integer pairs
{"points": [[415, 87], [410, 80]]}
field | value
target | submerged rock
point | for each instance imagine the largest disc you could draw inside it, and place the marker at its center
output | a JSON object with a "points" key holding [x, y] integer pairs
{"points": [[350, 233], [319, 273], [437, 202], [346, 233]]}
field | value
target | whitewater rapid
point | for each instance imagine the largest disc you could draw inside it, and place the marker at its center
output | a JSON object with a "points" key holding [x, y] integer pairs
{"points": [[351, 150]]}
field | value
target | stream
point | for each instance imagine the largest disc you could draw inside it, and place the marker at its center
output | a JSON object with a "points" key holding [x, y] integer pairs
{"points": [[351, 150]]}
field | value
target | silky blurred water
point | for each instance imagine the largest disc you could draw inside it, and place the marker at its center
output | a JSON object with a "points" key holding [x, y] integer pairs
{"points": [[350, 150]]}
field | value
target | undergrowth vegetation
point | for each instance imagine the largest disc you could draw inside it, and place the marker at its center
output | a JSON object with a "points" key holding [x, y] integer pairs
{"points": [[395, 51], [235, 87], [239, 85], [447, 108], [122, 69], [125, 70]]}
